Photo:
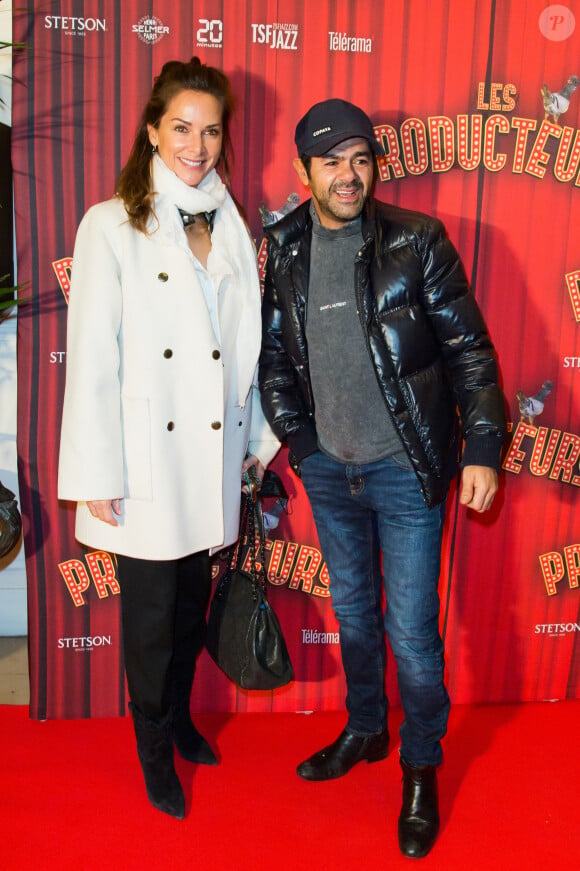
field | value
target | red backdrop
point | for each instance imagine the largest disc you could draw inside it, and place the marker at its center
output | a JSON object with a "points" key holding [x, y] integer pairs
{"points": [[454, 90]]}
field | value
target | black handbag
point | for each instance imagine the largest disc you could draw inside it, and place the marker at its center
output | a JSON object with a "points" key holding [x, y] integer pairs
{"points": [[243, 633]]}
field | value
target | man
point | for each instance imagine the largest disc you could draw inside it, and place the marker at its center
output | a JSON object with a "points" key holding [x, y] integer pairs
{"points": [[371, 343]]}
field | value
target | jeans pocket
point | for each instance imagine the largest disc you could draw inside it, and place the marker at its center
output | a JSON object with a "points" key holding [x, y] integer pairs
{"points": [[402, 461], [299, 466]]}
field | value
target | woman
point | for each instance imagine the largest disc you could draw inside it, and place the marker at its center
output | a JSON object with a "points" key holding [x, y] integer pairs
{"points": [[161, 415]]}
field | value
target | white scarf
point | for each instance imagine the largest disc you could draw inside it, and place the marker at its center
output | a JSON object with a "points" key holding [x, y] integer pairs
{"points": [[232, 240]]}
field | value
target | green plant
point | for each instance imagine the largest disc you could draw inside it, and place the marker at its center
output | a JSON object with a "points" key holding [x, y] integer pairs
{"points": [[14, 46], [7, 299]]}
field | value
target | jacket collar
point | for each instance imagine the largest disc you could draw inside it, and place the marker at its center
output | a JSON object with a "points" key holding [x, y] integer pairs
{"points": [[293, 226]]}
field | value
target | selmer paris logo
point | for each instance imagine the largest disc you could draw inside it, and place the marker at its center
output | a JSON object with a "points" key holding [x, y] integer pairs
{"points": [[150, 29]]}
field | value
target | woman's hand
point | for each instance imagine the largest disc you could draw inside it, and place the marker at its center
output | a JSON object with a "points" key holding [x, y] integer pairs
{"points": [[105, 510], [259, 470]]}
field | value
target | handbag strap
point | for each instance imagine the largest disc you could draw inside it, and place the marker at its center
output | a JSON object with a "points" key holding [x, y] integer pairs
{"points": [[251, 521], [256, 519]]}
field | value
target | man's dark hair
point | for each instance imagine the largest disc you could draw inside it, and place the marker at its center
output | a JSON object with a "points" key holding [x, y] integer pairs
{"points": [[306, 162]]}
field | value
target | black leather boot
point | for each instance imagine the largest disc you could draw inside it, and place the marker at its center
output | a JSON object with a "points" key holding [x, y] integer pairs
{"points": [[155, 751], [340, 756], [189, 637], [190, 744], [419, 818]]}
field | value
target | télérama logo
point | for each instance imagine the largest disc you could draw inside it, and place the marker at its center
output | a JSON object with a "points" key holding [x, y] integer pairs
{"points": [[344, 42]]}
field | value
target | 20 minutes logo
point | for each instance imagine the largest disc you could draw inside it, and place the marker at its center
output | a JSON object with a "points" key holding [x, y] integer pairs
{"points": [[210, 33]]}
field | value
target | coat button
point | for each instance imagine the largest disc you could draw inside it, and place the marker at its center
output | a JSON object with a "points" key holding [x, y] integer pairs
{"points": [[163, 276], [168, 353], [170, 426], [216, 425], [216, 355]]}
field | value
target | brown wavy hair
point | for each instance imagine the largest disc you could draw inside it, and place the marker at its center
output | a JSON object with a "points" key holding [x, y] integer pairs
{"points": [[134, 185]]}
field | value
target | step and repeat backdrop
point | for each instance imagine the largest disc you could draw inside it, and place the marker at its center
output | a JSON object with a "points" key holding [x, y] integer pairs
{"points": [[477, 106]]}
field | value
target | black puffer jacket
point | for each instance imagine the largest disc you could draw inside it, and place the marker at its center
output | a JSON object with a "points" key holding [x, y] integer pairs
{"points": [[426, 338]]}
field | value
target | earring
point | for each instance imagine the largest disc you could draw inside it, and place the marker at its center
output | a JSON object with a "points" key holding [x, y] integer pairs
{"points": [[154, 150]]}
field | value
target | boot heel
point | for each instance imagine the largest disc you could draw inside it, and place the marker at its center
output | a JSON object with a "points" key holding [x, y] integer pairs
{"points": [[190, 744], [379, 751]]}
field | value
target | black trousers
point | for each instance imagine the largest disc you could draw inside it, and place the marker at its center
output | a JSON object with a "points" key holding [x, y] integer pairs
{"points": [[164, 605]]}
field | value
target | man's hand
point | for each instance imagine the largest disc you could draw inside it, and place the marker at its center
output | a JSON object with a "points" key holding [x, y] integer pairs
{"points": [[105, 510], [478, 487]]}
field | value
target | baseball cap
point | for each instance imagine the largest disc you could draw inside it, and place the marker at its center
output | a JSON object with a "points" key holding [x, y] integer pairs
{"points": [[330, 122]]}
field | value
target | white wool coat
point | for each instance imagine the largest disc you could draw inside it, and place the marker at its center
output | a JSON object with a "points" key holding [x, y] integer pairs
{"points": [[151, 413]]}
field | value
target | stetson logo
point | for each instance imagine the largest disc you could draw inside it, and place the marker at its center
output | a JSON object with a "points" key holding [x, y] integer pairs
{"points": [[84, 642]]}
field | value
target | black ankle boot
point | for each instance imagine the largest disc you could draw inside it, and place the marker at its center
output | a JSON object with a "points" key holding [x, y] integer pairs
{"points": [[339, 757], [155, 751], [419, 818], [191, 745]]}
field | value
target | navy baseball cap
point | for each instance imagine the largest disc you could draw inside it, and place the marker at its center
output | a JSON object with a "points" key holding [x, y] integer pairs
{"points": [[330, 122]]}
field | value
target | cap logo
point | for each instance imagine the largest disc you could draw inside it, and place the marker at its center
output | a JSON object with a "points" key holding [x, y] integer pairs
{"points": [[322, 130]]}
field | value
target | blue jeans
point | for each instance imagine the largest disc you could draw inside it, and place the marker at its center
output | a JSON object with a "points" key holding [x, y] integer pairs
{"points": [[361, 512]]}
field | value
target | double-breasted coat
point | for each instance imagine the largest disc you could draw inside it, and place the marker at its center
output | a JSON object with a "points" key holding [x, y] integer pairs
{"points": [[151, 412]]}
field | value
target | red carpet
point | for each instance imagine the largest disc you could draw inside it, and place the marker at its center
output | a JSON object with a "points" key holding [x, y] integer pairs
{"points": [[72, 797]]}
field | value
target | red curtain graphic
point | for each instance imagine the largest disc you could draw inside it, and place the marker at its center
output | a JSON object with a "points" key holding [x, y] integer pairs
{"points": [[476, 104]]}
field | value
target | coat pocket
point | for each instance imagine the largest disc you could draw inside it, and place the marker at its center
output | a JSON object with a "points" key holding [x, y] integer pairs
{"points": [[136, 419]]}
